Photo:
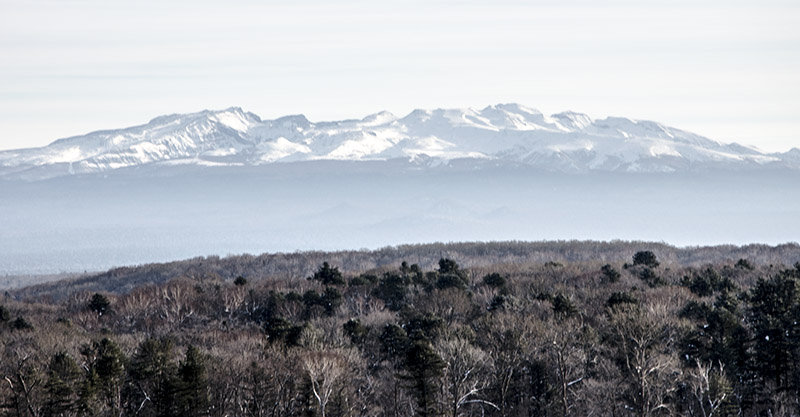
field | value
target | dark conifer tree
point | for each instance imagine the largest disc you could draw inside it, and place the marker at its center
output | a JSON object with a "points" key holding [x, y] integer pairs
{"points": [[394, 344], [646, 258], [450, 275], [63, 379], [392, 290], [149, 390], [610, 274], [5, 315], [99, 304], [423, 369], [328, 275], [192, 385], [101, 392], [775, 316]]}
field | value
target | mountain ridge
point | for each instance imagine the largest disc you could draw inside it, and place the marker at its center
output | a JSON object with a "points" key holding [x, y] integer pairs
{"points": [[562, 142]]}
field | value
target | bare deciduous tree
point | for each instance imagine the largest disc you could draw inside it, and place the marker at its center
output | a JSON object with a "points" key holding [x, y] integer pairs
{"points": [[324, 370], [563, 347], [466, 373], [709, 388], [643, 337]]}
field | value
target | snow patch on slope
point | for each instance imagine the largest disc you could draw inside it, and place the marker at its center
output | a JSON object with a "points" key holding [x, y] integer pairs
{"points": [[279, 149]]}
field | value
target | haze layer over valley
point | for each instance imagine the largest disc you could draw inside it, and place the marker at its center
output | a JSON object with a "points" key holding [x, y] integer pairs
{"points": [[226, 182]]}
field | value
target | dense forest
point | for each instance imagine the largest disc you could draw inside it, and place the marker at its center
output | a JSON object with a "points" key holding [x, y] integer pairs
{"points": [[288, 266], [616, 329]]}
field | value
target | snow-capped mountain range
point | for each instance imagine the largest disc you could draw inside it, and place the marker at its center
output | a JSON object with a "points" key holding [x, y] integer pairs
{"points": [[512, 133], [220, 182]]}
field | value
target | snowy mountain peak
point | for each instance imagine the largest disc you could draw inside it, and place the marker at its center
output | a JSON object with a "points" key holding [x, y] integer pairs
{"points": [[572, 120], [292, 121], [515, 108], [379, 118], [419, 114], [510, 132]]}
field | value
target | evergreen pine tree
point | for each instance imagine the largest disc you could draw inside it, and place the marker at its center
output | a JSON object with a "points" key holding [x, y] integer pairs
{"points": [[63, 376], [192, 385], [149, 390], [423, 369]]}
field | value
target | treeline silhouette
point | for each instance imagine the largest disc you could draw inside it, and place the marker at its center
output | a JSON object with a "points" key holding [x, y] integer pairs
{"points": [[470, 254], [585, 332]]}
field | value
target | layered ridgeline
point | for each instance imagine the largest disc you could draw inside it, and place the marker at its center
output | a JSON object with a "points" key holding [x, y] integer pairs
{"points": [[504, 133]]}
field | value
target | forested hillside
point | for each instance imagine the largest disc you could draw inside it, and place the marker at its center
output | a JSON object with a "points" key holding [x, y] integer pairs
{"points": [[287, 266], [510, 329]]}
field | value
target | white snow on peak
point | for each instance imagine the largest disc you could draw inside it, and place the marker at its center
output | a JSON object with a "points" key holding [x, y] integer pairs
{"points": [[233, 118], [71, 154], [280, 148], [504, 132], [572, 121], [659, 149], [378, 119], [516, 117]]}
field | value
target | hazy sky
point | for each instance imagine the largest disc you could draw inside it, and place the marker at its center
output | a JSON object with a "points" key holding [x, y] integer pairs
{"points": [[729, 70]]}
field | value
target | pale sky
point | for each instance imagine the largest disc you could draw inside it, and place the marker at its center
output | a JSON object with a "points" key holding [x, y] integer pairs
{"points": [[728, 70]]}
